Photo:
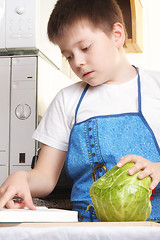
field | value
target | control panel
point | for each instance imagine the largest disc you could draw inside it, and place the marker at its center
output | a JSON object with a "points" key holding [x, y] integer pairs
{"points": [[2, 24], [20, 23]]}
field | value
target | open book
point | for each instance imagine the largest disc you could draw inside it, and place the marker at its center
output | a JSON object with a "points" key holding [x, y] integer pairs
{"points": [[41, 214]]}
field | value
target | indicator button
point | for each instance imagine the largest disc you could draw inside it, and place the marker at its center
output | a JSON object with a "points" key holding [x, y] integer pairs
{"points": [[20, 10], [26, 35], [14, 36]]}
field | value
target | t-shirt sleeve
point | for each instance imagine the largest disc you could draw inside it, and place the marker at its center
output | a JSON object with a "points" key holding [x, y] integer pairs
{"points": [[52, 129]]}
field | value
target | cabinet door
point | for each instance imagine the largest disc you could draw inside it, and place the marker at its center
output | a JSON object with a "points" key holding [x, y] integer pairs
{"points": [[4, 116]]}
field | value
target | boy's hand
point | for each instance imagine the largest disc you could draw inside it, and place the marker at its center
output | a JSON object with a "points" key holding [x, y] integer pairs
{"points": [[16, 184], [148, 168]]}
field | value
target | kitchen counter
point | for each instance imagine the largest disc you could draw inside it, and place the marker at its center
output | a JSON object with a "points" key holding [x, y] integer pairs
{"points": [[88, 231], [72, 231]]}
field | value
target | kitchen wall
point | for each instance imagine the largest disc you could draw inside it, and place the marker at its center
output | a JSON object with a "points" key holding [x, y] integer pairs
{"points": [[149, 59]]}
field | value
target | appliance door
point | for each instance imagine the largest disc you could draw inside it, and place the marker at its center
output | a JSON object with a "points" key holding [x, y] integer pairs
{"points": [[5, 115], [23, 112], [2, 25]]}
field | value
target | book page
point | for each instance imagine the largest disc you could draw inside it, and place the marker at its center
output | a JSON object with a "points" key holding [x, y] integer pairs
{"points": [[41, 214]]}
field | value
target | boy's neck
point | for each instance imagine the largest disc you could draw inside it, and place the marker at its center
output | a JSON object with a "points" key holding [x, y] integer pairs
{"points": [[125, 71]]}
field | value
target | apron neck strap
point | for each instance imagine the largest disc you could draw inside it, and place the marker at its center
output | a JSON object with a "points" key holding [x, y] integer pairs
{"points": [[80, 100], [139, 90]]}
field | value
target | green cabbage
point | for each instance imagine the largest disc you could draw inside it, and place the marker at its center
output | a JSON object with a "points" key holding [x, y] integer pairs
{"points": [[119, 197]]}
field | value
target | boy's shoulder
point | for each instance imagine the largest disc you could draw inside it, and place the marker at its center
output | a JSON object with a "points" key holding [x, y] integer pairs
{"points": [[76, 86], [72, 91], [149, 74], [150, 80]]}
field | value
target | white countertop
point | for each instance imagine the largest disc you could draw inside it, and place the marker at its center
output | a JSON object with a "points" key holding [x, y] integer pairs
{"points": [[77, 231]]}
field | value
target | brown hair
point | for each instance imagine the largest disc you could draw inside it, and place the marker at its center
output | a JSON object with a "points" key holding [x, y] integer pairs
{"points": [[101, 13]]}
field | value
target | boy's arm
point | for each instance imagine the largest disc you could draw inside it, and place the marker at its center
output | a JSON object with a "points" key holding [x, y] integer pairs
{"points": [[37, 182], [48, 168], [148, 168]]}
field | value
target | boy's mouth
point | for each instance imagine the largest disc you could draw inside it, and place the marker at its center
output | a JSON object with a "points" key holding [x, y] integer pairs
{"points": [[87, 74]]}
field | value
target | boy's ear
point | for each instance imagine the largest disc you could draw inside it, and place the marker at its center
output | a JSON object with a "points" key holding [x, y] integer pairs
{"points": [[119, 34]]}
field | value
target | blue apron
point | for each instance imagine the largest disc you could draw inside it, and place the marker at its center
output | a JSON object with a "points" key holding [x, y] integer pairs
{"points": [[104, 140]]}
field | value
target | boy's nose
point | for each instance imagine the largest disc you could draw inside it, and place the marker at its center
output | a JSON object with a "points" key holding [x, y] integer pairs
{"points": [[79, 61]]}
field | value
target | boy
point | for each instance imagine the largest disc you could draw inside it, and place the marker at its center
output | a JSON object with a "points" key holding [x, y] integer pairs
{"points": [[103, 120]]}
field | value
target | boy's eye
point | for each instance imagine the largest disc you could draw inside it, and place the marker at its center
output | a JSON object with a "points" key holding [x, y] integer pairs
{"points": [[69, 58], [86, 48]]}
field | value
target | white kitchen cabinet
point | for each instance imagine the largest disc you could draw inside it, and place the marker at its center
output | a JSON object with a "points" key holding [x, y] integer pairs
{"points": [[4, 116]]}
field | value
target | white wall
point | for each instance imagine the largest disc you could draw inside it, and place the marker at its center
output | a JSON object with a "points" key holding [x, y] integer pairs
{"points": [[50, 82], [149, 59]]}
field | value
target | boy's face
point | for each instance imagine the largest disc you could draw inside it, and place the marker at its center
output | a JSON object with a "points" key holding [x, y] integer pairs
{"points": [[92, 55]]}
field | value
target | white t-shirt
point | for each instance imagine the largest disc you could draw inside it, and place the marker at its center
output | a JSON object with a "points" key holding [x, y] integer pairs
{"points": [[55, 126]]}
